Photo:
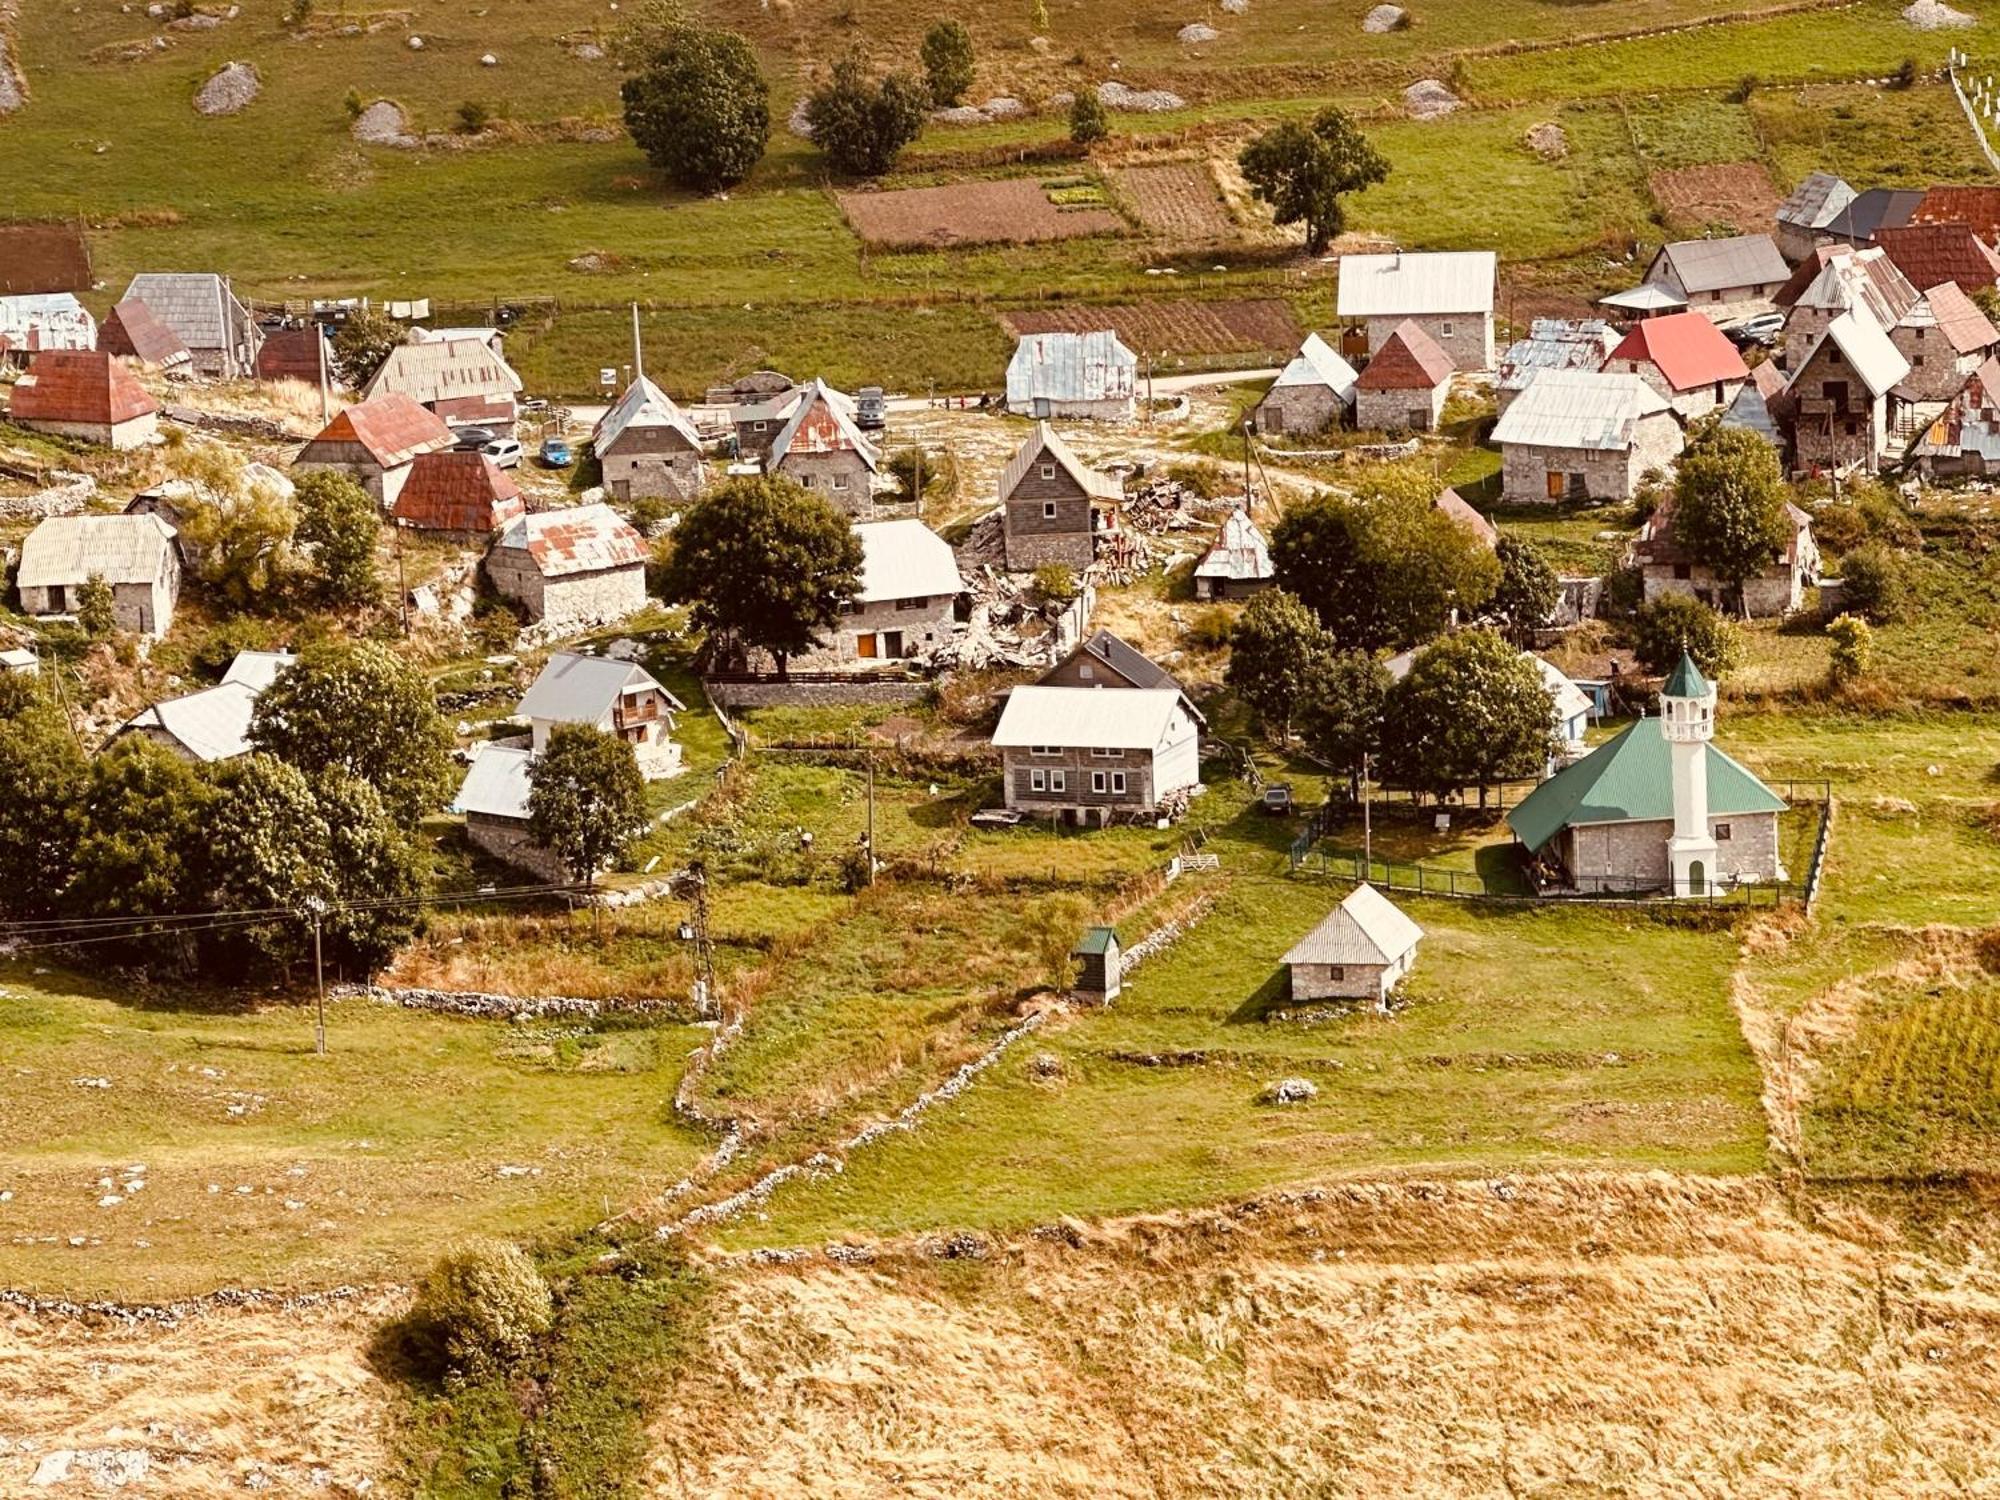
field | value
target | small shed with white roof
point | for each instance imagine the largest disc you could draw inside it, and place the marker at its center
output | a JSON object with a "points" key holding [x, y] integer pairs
{"points": [[1314, 392], [1361, 951]]}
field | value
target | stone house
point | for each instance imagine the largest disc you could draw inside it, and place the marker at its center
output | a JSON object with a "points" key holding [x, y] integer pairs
{"points": [[1448, 294], [819, 446], [1964, 440], [83, 394], [1840, 398], [757, 406], [1090, 757], [376, 443], [1665, 567], [1808, 209], [220, 335], [1360, 951], [465, 381], [494, 803], [34, 321], [1685, 358], [1052, 506], [212, 724], [134, 554], [618, 697], [1073, 376], [1724, 278], [1573, 435], [1402, 388], [1237, 563], [131, 331], [1945, 337], [460, 494], [1848, 280], [1312, 394], [909, 587], [647, 447], [571, 568], [1552, 344]]}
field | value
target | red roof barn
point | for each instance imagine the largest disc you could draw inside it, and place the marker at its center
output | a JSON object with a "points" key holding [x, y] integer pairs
{"points": [[459, 492], [85, 394]]}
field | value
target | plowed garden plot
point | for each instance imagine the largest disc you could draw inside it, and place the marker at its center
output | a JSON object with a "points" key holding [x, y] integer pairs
{"points": [[1738, 193], [1013, 211], [1264, 326], [1178, 201], [43, 258]]}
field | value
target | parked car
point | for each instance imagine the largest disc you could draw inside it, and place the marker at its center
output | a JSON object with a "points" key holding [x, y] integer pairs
{"points": [[555, 453], [1277, 798], [871, 407], [535, 404], [505, 453], [475, 439], [1762, 329]]}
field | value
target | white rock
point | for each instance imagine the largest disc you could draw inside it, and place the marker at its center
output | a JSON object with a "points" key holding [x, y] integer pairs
{"points": [[416, 44], [1384, 18], [489, 61], [1195, 32]]}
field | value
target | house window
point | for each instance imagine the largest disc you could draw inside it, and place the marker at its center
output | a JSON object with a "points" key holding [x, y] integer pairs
{"points": [[1444, 329], [837, 482], [1683, 571], [1106, 754], [1048, 510], [1044, 750], [1038, 781], [1058, 781], [1836, 392], [1085, 672], [907, 606], [1336, 972], [1722, 833], [759, 426], [1048, 471], [1097, 781], [1118, 782]]}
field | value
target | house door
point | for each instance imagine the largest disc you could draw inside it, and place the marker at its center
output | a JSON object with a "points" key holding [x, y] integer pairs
{"points": [[1697, 878], [892, 643], [1557, 484], [865, 647]]}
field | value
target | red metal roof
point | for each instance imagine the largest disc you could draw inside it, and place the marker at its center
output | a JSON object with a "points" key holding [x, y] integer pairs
{"points": [[135, 331], [74, 385], [1976, 207], [393, 429], [1959, 319], [1931, 253], [581, 539], [456, 491], [1686, 348], [1409, 360], [291, 354]]}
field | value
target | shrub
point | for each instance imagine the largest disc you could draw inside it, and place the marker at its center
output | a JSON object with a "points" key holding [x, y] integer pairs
{"points": [[863, 123], [95, 604], [354, 104], [1875, 583], [1055, 583], [1853, 650], [1211, 629], [1088, 122], [1744, 88], [488, 1302], [298, 12], [947, 55], [1673, 622], [473, 117], [1905, 75]]}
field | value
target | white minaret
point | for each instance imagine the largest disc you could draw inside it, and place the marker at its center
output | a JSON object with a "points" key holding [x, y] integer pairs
{"points": [[1687, 722]]}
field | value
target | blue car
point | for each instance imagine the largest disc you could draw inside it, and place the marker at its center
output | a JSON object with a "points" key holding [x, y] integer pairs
{"points": [[556, 454]]}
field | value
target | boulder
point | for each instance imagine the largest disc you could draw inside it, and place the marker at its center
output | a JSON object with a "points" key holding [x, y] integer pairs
{"points": [[1197, 31], [1290, 1091], [1385, 18], [1427, 99], [232, 88]]}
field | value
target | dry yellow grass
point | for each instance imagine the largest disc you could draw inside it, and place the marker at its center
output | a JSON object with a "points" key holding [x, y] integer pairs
{"points": [[221, 1396], [1549, 1336]]}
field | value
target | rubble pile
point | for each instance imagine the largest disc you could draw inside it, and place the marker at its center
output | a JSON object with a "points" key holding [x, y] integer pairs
{"points": [[1161, 524]]}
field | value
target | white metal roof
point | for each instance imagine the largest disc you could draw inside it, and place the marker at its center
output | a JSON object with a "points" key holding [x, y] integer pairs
{"points": [[497, 783], [1578, 409], [1650, 297], [1365, 929], [1318, 364], [70, 549], [257, 670], [642, 406], [1239, 552], [53, 320], [212, 725], [1413, 285], [1720, 265], [1867, 349], [1087, 718], [1570, 700], [905, 560], [577, 689], [1092, 366]]}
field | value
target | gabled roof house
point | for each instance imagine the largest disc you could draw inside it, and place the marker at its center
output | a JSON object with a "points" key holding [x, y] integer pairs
{"points": [[1685, 358], [84, 394], [1052, 504], [376, 442], [1577, 435], [820, 446], [458, 493], [1360, 950], [1072, 375], [647, 447], [1237, 563], [214, 723], [465, 381], [1448, 293], [1721, 277], [33, 321], [132, 331], [1807, 209], [1313, 392], [1405, 382], [617, 697], [571, 568], [221, 336]]}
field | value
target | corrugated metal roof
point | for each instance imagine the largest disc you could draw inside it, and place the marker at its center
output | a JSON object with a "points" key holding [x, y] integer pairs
{"points": [[258, 669], [1867, 350], [580, 539], [45, 320], [1629, 779], [458, 491], [497, 783], [1417, 284], [294, 354], [1955, 315], [1556, 344], [1409, 360], [1977, 206], [1815, 200], [644, 405], [1071, 367], [1684, 347], [1650, 297], [1367, 929], [1970, 422], [211, 725], [577, 689], [821, 421], [392, 429], [1087, 718], [132, 329], [1239, 552], [905, 560], [1864, 278], [1742, 260], [1579, 409], [1043, 443], [76, 385], [67, 550], [197, 305], [1318, 365], [449, 370]]}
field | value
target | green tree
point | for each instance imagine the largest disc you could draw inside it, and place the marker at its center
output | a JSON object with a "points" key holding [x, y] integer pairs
{"points": [[1340, 716], [1473, 711], [1054, 583], [766, 565], [863, 123], [1875, 583], [268, 848], [1729, 503], [1853, 650], [586, 799], [1382, 569], [697, 105], [1303, 171], [359, 708], [96, 607], [1673, 622], [1089, 123], [1528, 591], [938, 470], [947, 55], [239, 527], [370, 858], [337, 530], [1038, 17], [142, 848], [487, 1302], [363, 343], [44, 776], [1275, 652]]}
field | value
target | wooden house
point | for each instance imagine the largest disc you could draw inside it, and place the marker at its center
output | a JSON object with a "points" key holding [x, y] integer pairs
{"points": [[1237, 563], [1963, 442], [220, 335], [1099, 965], [1052, 506]]}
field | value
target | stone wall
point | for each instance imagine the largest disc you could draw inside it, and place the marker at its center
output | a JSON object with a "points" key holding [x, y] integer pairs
{"points": [[1466, 337], [842, 479], [508, 840], [1619, 857], [1398, 411], [1936, 369], [66, 497], [1298, 410], [812, 694], [924, 628]]}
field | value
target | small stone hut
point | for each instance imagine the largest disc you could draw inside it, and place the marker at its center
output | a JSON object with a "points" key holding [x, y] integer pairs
{"points": [[1360, 952]]}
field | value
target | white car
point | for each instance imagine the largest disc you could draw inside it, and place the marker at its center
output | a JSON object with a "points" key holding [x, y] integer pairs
{"points": [[505, 453]]}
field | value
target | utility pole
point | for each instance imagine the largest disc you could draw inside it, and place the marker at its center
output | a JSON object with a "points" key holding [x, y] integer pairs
{"points": [[319, 343], [314, 908], [704, 951], [1367, 825], [871, 817], [1149, 385], [638, 350], [1247, 501]]}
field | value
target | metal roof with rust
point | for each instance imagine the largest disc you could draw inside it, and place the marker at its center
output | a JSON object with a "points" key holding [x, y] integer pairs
{"points": [[1956, 316], [821, 421], [79, 385], [392, 429], [1930, 253], [1579, 409], [1409, 360], [458, 491], [1854, 276], [1977, 206], [294, 354], [444, 370], [579, 539], [133, 330]]}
